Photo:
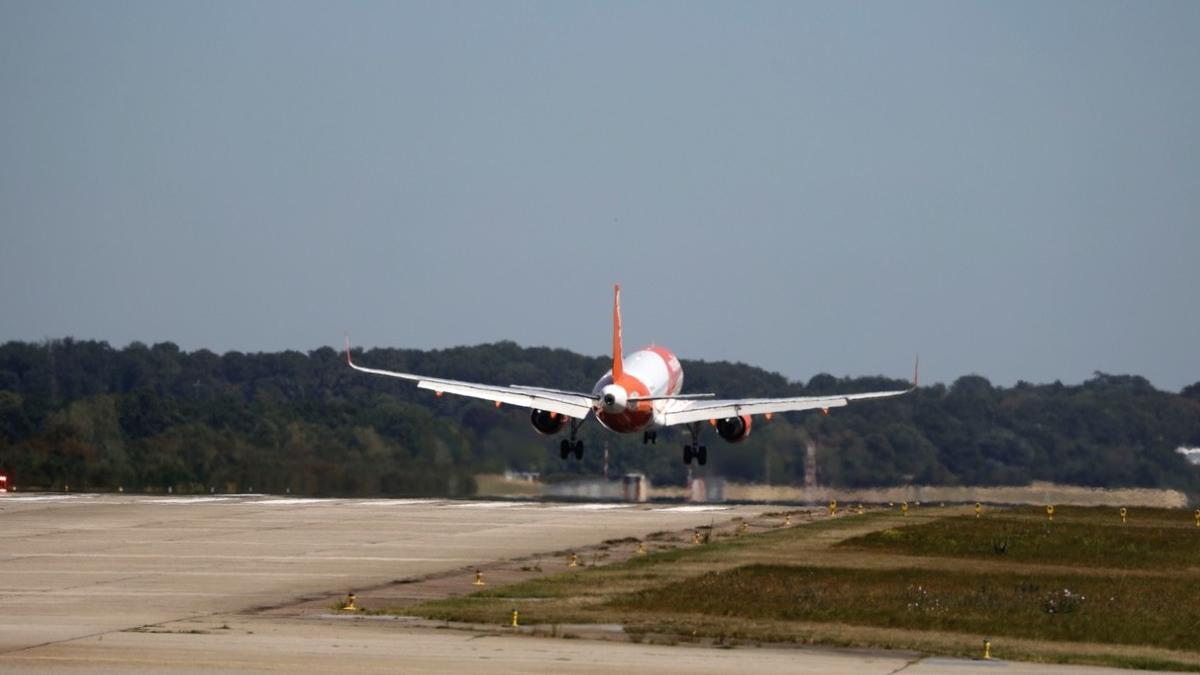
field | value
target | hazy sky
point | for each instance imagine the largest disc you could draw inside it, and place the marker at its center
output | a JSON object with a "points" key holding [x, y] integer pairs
{"points": [[1010, 188]]}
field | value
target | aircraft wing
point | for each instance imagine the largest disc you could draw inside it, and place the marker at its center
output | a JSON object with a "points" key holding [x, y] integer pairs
{"points": [[687, 411], [571, 404]]}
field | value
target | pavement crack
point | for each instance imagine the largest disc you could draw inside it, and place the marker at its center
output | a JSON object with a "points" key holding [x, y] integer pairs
{"points": [[908, 664]]}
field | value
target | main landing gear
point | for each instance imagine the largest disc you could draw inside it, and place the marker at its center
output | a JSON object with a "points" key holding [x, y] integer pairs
{"points": [[566, 448], [694, 449], [570, 445]]}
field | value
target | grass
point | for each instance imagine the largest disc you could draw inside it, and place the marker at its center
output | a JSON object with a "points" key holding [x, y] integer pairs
{"points": [[1085, 589], [1131, 610], [1084, 537]]}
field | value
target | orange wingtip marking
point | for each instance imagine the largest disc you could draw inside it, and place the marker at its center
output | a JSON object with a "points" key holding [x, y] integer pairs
{"points": [[439, 394], [824, 411], [768, 416], [713, 422]]}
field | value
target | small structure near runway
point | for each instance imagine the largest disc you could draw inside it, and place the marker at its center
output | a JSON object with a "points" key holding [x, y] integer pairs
{"points": [[637, 487], [706, 490]]}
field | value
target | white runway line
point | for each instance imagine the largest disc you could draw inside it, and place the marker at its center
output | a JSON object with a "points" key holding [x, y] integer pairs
{"points": [[37, 498], [291, 502], [184, 500], [492, 505], [396, 502], [590, 507], [693, 509]]}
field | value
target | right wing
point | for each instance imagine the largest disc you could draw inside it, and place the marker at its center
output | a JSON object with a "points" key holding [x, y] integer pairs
{"points": [[571, 404], [689, 411]]}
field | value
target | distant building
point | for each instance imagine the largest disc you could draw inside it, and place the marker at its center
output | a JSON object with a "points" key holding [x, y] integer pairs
{"points": [[1191, 454], [706, 490], [586, 489], [637, 487]]}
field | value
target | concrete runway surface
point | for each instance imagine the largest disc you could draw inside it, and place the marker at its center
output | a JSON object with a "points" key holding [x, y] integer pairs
{"points": [[120, 584]]}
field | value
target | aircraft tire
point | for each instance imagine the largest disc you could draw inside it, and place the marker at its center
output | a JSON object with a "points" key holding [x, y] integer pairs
{"points": [[687, 454], [702, 456], [578, 449], [564, 449]]}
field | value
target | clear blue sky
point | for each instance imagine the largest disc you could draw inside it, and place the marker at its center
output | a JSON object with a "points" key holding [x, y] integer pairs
{"points": [[1010, 188]]}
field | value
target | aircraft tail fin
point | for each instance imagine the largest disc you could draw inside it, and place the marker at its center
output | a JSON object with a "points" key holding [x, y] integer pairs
{"points": [[618, 359]]}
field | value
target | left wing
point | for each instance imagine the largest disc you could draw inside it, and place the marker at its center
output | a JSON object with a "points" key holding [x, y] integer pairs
{"points": [[571, 404], [688, 411]]}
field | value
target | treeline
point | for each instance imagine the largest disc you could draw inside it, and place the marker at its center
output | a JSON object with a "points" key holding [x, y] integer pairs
{"points": [[81, 413]]}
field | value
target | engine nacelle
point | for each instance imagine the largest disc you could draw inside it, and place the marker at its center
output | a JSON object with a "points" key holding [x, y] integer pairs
{"points": [[546, 422], [734, 429]]}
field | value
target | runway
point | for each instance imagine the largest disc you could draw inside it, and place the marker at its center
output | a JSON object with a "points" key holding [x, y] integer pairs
{"points": [[79, 565], [118, 583]]}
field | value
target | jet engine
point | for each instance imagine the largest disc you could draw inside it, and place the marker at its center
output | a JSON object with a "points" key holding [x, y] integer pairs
{"points": [[546, 422], [734, 429]]}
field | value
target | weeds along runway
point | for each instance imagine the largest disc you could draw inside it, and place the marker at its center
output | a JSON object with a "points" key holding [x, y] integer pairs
{"points": [[121, 583]]}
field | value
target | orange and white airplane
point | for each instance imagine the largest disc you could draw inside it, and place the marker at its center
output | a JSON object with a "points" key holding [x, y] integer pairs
{"points": [[642, 393]]}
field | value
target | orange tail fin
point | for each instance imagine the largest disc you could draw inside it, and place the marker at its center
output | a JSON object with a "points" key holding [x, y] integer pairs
{"points": [[618, 366]]}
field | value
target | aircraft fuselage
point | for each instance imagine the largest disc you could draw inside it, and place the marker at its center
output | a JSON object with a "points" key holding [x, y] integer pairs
{"points": [[650, 372]]}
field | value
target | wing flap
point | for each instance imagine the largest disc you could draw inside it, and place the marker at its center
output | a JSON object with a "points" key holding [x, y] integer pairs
{"points": [[527, 397], [686, 412]]}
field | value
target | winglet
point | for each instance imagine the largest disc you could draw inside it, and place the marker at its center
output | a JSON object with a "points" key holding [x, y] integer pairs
{"points": [[618, 367], [348, 360], [916, 371]]}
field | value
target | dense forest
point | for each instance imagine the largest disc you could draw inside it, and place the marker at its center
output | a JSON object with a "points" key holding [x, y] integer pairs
{"points": [[84, 414]]}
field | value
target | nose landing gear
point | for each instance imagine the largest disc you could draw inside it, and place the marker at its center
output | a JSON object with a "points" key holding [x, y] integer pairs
{"points": [[567, 448]]}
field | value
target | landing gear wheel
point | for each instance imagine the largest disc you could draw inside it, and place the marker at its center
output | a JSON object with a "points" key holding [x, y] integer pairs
{"points": [[564, 448], [578, 449], [694, 449]]}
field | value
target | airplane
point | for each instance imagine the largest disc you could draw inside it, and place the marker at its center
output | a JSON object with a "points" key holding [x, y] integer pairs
{"points": [[641, 393]]}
